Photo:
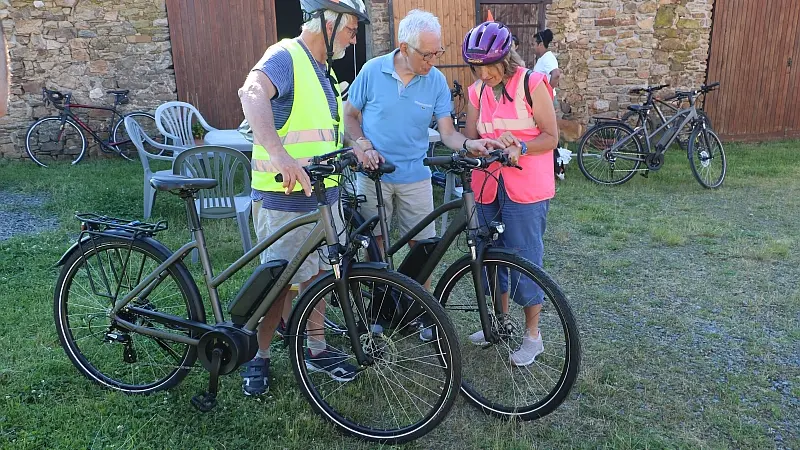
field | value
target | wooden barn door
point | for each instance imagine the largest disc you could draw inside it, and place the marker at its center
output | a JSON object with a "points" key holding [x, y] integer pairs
{"points": [[754, 53], [214, 46], [456, 17], [524, 19]]}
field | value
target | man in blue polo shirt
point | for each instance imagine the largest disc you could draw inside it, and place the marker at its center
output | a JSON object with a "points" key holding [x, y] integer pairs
{"points": [[389, 108]]}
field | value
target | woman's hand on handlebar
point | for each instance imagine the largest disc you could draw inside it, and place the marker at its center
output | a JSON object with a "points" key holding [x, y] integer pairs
{"points": [[482, 147]]}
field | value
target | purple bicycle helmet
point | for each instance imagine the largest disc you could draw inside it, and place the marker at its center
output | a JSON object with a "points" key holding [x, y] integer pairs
{"points": [[487, 43]]}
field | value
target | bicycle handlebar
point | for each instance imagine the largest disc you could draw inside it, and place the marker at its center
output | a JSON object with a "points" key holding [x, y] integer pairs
{"points": [[649, 90], [467, 162], [318, 169]]}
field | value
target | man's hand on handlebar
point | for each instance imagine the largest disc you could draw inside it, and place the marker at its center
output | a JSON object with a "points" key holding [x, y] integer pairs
{"points": [[366, 154], [292, 173]]}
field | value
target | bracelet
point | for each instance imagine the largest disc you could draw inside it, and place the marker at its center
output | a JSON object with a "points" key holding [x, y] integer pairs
{"points": [[464, 145]]}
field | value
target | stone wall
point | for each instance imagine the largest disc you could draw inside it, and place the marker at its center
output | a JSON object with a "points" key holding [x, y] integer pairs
{"points": [[607, 47], [86, 47]]}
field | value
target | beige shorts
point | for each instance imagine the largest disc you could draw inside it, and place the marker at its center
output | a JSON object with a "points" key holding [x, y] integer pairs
{"points": [[267, 221], [412, 202]]}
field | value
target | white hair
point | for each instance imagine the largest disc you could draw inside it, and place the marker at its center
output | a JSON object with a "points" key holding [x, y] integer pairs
{"points": [[415, 23], [315, 25]]}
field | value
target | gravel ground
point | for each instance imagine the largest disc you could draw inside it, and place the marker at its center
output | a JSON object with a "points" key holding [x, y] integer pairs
{"points": [[21, 214]]}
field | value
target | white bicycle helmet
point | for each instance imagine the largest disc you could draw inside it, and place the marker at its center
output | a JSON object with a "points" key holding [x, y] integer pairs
{"points": [[354, 7]]}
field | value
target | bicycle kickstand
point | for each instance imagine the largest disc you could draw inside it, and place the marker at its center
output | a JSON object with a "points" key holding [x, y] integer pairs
{"points": [[205, 402]]}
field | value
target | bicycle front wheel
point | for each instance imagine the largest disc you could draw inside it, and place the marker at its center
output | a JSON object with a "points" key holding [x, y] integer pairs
{"points": [[408, 388], [707, 157], [49, 140], [122, 142], [498, 378], [603, 160], [99, 347]]}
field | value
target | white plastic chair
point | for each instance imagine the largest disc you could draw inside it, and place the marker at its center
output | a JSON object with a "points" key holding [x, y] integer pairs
{"points": [[139, 138], [231, 169], [174, 120]]}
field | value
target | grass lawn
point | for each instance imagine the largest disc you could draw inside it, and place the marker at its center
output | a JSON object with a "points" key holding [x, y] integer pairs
{"points": [[687, 302]]}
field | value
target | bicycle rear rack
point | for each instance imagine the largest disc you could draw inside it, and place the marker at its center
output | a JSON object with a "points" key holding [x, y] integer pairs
{"points": [[113, 270]]}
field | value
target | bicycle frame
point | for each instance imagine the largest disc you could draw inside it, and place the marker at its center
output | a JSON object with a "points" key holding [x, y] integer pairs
{"points": [[322, 231], [465, 221], [685, 116], [66, 112]]}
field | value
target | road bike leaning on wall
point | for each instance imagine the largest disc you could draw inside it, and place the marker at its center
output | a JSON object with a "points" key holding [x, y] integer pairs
{"points": [[62, 137], [612, 152], [130, 317]]}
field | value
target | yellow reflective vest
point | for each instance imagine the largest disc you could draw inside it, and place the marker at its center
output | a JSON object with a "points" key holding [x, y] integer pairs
{"points": [[310, 129]]}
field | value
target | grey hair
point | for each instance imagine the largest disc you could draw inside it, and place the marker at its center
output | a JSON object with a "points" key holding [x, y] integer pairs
{"points": [[415, 23], [315, 26]]}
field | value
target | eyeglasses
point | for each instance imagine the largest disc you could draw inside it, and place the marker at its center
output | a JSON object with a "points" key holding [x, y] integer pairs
{"points": [[428, 56], [353, 31]]}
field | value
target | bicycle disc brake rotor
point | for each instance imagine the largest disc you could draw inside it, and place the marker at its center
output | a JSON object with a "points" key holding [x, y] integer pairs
{"points": [[705, 158], [380, 347]]}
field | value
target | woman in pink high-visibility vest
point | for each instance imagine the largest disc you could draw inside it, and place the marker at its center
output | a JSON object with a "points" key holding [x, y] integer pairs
{"points": [[499, 108]]}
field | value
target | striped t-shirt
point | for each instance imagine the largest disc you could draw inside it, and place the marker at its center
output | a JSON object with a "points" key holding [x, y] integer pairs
{"points": [[277, 65]]}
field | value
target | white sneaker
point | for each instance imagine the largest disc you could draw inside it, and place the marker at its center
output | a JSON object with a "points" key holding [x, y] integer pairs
{"points": [[528, 351], [477, 338]]}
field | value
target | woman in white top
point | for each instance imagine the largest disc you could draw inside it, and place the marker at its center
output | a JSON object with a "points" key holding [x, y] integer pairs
{"points": [[546, 61]]}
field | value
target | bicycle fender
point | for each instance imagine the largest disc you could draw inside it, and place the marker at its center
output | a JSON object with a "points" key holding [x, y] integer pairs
{"points": [[121, 233]]}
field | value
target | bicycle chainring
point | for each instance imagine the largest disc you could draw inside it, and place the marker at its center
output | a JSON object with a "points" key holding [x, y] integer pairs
{"points": [[654, 161]]}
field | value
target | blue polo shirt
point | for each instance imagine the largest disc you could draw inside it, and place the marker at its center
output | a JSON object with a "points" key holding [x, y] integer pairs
{"points": [[396, 117]]}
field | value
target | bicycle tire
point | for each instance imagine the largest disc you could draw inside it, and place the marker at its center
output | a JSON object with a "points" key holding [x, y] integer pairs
{"points": [[97, 365], [634, 120], [480, 379], [703, 157], [684, 135], [40, 148], [606, 161], [123, 144], [354, 408]]}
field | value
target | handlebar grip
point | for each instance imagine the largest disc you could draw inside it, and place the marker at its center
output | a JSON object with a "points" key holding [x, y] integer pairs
{"points": [[437, 160], [387, 168]]}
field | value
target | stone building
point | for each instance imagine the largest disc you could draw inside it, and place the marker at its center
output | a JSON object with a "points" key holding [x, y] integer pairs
{"points": [[604, 47]]}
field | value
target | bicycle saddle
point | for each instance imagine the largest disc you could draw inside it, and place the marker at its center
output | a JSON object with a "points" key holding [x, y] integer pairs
{"points": [[119, 92], [181, 183], [640, 108]]}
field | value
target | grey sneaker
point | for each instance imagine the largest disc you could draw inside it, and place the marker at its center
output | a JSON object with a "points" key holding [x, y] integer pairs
{"points": [[528, 351], [426, 334], [478, 338], [255, 377]]}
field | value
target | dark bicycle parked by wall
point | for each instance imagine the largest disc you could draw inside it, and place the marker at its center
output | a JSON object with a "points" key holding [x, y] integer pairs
{"points": [[63, 137], [612, 152]]}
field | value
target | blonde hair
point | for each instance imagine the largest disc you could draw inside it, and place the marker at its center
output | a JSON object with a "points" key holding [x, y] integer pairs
{"points": [[510, 63]]}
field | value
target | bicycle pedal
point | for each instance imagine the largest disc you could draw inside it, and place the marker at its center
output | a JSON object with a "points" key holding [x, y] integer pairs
{"points": [[204, 402]]}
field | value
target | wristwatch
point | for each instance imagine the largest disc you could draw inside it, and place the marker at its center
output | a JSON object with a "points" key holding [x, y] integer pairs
{"points": [[524, 147]]}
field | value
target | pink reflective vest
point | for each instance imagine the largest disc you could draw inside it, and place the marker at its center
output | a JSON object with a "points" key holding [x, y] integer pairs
{"points": [[535, 182]]}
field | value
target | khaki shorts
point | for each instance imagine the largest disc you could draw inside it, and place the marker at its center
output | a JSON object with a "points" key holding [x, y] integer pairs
{"points": [[412, 202], [267, 221]]}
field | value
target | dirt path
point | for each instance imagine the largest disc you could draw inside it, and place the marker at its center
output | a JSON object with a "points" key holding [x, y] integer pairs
{"points": [[22, 214]]}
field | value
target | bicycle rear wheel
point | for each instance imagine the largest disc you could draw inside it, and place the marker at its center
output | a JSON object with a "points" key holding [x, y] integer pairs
{"points": [[603, 161], [491, 380], [409, 387], [48, 140], [102, 349], [122, 142], [707, 158]]}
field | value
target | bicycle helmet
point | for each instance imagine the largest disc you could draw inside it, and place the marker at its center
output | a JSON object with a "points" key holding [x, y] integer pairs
{"points": [[487, 43], [354, 7]]}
